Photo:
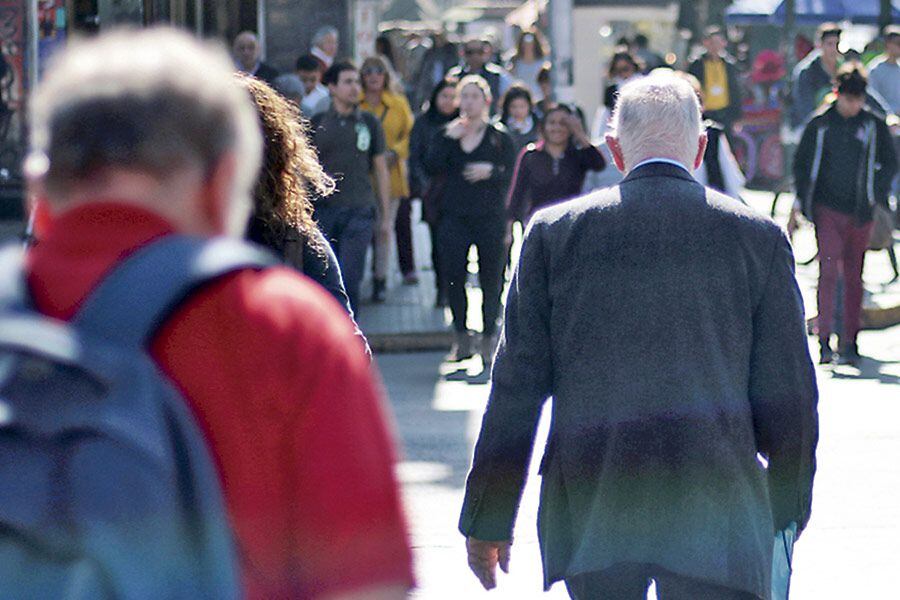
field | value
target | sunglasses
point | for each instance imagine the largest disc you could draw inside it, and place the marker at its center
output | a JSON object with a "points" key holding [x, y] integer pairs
{"points": [[373, 71], [472, 51]]}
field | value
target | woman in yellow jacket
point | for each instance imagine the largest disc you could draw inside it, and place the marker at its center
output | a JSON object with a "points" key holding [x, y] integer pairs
{"points": [[392, 108]]}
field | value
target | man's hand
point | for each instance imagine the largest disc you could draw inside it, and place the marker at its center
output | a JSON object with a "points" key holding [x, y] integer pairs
{"points": [[484, 557], [477, 171]]}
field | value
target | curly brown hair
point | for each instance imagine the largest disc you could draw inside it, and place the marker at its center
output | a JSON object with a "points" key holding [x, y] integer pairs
{"points": [[291, 171]]}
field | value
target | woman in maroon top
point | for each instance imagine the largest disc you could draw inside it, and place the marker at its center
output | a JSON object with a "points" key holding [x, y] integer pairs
{"points": [[553, 170]]}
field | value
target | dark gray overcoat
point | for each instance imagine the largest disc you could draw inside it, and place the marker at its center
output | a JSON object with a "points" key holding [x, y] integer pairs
{"points": [[665, 321]]}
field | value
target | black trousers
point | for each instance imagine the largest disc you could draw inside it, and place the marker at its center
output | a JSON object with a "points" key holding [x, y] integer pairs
{"points": [[455, 235], [630, 581], [403, 231]]}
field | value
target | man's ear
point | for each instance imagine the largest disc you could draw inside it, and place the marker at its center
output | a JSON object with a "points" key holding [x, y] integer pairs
{"points": [[701, 150], [616, 150], [216, 195]]}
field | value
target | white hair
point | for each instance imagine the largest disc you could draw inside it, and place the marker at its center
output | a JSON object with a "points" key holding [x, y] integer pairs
{"points": [[322, 33], [156, 101], [657, 116]]}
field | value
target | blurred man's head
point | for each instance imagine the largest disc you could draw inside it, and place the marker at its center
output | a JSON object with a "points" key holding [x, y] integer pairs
{"points": [[308, 71], [342, 79], [892, 42], [828, 37], [714, 40], [150, 117], [246, 50], [657, 117], [851, 82], [326, 39], [474, 54]]}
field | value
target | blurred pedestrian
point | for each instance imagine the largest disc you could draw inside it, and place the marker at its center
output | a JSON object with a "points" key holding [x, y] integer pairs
{"points": [[143, 138], [392, 111], [246, 57], [547, 97], [652, 467], [352, 149], [442, 108], [325, 44], [517, 114], [719, 169], [640, 48], [476, 54], [843, 170], [813, 76], [528, 60], [440, 58], [315, 95], [553, 169], [718, 74], [623, 67], [475, 158], [884, 71]]}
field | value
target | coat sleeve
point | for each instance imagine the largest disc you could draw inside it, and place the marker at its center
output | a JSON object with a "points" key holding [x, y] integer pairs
{"points": [[505, 161], [803, 161], [417, 145], [886, 162], [521, 376], [517, 200], [400, 143], [783, 393], [437, 153]]}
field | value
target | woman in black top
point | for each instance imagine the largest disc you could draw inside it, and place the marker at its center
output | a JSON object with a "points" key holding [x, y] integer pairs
{"points": [[476, 159], [554, 169], [442, 108]]}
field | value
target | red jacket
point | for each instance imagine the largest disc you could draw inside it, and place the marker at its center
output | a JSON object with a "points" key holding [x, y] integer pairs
{"points": [[289, 404]]}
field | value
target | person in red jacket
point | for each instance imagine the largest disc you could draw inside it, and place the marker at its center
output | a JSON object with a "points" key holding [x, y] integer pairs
{"points": [[141, 135]]}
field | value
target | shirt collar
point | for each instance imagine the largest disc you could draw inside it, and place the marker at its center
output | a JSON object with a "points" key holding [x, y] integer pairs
{"points": [[320, 54]]}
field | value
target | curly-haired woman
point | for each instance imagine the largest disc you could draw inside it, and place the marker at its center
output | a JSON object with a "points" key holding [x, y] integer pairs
{"points": [[282, 215]]}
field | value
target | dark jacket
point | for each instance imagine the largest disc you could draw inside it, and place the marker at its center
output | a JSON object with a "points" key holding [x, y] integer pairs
{"points": [[733, 111], [873, 172], [665, 321]]}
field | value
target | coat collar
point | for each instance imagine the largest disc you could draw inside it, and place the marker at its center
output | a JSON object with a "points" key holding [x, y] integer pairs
{"points": [[658, 169]]}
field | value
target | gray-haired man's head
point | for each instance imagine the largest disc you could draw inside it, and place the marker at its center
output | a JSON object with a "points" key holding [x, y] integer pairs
{"points": [[657, 117], [326, 38], [157, 103]]}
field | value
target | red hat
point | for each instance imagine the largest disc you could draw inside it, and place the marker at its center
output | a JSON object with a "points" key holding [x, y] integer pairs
{"points": [[768, 67]]}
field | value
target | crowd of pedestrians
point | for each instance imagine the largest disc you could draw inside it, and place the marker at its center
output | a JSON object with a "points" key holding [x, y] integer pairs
{"points": [[623, 306]]}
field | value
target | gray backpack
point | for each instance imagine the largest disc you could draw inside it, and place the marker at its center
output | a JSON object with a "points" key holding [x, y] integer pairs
{"points": [[107, 488]]}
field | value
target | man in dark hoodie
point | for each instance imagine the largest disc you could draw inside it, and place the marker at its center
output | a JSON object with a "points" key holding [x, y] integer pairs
{"points": [[843, 167]]}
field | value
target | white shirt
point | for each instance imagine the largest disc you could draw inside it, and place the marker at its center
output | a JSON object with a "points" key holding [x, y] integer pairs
{"points": [[320, 54], [312, 101], [668, 161]]}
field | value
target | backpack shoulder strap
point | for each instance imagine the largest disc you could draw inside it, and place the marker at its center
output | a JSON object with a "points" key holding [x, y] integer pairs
{"points": [[138, 295], [13, 290]]}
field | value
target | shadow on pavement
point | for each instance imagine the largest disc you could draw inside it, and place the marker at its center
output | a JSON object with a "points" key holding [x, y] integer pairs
{"points": [[868, 369]]}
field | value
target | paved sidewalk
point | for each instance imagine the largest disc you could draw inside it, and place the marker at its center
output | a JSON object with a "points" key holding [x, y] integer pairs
{"points": [[408, 321]]}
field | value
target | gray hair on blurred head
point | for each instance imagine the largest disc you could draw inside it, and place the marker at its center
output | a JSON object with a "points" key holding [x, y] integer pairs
{"points": [[658, 116], [322, 33], [155, 101]]}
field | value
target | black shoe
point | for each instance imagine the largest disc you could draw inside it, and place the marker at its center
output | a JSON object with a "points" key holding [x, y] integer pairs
{"points": [[826, 354], [462, 347], [379, 290], [848, 354]]}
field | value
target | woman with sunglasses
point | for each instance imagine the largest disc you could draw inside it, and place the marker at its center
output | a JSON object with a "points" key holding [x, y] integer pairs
{"points": [[380, 98], [528, 60], [553, 170], [623, 67], [475, 157]]}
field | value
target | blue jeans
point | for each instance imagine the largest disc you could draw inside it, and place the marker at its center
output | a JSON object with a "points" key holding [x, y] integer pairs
{"points": [[349, 229]]}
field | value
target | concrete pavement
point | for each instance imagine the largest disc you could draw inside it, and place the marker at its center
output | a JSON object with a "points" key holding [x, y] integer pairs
{"points": [[849, 550]]}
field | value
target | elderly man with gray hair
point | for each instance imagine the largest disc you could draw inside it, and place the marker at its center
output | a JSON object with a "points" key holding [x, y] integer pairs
{"points": [[664, 320], [325, 46], [142, 143]]}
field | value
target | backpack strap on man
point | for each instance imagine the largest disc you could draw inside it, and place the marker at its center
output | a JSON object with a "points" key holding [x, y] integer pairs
{"points": [[134, 300]]}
